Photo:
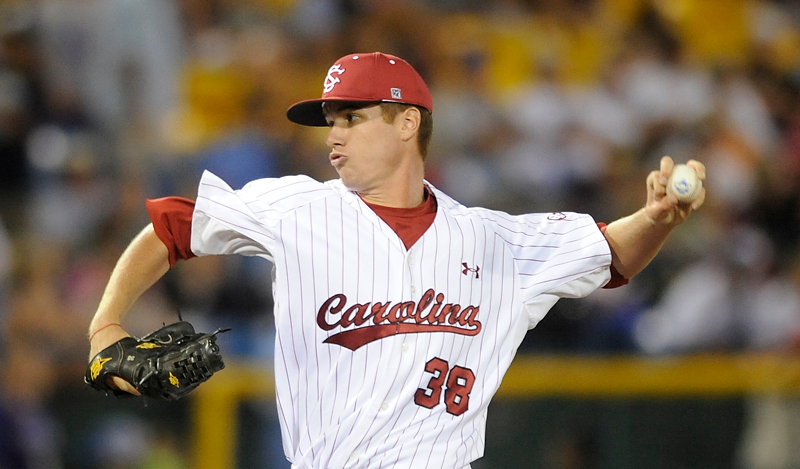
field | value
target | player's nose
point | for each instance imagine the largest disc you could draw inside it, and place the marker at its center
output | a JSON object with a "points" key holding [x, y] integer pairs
{"points": [[335, 137]]}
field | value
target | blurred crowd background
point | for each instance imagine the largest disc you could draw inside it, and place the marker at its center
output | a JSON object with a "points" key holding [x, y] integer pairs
{"points": [[540, 105]]}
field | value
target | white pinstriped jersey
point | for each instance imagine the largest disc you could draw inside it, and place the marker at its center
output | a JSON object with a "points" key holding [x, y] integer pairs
{"points": [[388, 357]]}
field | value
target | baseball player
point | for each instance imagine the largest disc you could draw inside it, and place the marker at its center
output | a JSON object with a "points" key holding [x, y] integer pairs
{"points": [[397, 309]]}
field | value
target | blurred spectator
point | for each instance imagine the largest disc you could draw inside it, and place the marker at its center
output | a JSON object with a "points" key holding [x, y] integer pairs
{"points": [[540, 104], [118, 60], [739, 298], [6, 260], [21, 103], [127, 441], [32, 437], [733, 299], [68, 176]]}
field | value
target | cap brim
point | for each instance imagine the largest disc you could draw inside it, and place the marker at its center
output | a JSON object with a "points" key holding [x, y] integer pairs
{"points": [[308, 112]]}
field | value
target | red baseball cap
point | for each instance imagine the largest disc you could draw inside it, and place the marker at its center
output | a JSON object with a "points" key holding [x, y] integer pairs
{"points": [[373, 77]]}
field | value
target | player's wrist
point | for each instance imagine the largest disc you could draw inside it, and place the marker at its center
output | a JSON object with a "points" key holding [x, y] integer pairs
{"points": [[93, 331], [660, 219]]}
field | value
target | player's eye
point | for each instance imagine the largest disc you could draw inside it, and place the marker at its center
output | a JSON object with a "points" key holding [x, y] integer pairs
{"points": [[352, 117]]}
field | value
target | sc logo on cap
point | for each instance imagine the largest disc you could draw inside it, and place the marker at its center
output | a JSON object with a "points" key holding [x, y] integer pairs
{"points": [[330, 80]]}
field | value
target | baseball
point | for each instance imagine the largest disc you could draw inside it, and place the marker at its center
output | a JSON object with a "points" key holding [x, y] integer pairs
{"points": [[684, 183]]}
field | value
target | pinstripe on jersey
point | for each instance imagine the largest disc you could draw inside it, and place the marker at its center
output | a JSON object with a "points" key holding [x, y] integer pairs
{"points": [[411, 384]]}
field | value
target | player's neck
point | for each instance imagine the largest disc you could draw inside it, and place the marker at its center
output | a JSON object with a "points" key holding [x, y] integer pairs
{"points": [[405, 190], [404, 197]]}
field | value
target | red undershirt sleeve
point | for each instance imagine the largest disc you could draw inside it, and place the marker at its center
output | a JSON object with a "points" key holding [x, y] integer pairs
{"points": [[617, 280], [172, 221]]}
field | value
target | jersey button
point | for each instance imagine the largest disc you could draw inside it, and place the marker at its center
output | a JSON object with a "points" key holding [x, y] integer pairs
{"points": [[404, 347], [413, 289], [384, 406]]}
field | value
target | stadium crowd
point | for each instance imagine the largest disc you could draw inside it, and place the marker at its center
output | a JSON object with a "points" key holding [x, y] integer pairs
{"points": [[540, 105]]}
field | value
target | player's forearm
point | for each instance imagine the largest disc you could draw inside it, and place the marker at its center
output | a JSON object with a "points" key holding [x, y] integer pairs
{"points": [[141, 265], [635, 240]]}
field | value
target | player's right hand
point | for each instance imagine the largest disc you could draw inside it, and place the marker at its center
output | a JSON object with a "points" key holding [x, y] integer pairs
{"points": [[664, 209], [102, 340]]}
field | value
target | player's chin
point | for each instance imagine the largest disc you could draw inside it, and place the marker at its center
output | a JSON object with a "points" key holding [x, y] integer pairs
{"points": [[350, 182], [341, 171]]}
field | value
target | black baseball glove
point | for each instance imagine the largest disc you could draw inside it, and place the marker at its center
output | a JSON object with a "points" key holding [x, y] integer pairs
{"points": [[166, 364]]}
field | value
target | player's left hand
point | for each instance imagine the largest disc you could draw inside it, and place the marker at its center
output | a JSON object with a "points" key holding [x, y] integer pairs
{"points": [[166, 364], [664, 209], [103, 338]]}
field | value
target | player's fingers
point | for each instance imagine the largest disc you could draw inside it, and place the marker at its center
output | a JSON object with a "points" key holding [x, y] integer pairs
{"points": [[665, 167], [122, 385], [668, 203], [700, 200], [663, 209], [656, 188], [699, 168]]}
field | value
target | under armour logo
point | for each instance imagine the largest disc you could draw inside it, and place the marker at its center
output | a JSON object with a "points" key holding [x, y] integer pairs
{"points": [[474, 270], [330, 80]]}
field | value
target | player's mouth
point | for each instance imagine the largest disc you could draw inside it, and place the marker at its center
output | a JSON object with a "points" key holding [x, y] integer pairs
{"points": [[337, 159]]}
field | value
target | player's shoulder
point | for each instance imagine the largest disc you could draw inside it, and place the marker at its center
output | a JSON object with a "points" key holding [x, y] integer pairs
{"points": [[280, 193], [499, 220], [462, 214], [294, 189], [290, 183], [267, 183]]}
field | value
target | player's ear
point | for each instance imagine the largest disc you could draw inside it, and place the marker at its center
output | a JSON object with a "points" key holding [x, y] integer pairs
{"points": [[410, 120]]}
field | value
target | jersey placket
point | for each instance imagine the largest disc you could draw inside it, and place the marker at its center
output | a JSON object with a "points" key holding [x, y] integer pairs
{"points": [[415, 287], [403, 343]]}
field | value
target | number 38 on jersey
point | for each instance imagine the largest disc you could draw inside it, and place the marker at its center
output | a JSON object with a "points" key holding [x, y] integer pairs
{"points": [[456, 382]]}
